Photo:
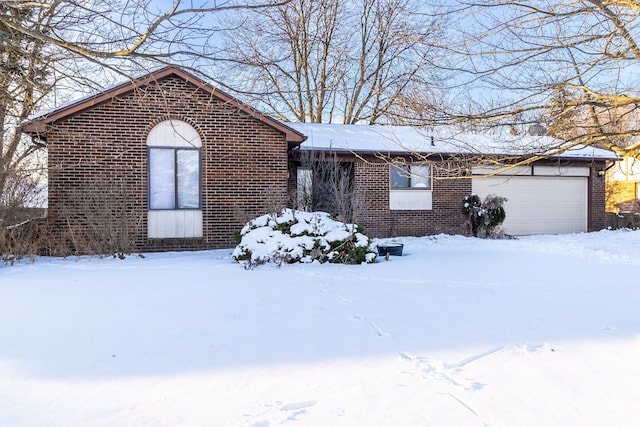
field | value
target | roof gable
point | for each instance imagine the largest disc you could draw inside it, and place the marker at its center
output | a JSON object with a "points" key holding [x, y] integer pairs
{"points": [[38, 125]]}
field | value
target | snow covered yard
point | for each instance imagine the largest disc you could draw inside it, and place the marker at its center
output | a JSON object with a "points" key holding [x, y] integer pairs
{"points": [[543, 330]]}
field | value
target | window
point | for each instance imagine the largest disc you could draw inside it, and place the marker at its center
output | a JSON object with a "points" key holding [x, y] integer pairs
{"points": [[304, 194], [174, 170], [174, 178], [410, 176]]}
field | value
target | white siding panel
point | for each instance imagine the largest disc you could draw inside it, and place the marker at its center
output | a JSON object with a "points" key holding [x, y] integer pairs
{"points": [[171, 224], [411, 200], [539, 204], [173, 133], [497, 170], [179, 226], [561, 171]]}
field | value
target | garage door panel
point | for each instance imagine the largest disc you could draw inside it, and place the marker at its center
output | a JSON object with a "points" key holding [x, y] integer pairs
{"points": [[539, 204]]}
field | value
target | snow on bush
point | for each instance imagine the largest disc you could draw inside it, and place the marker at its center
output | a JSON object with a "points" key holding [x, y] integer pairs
{"points": [[484, 217], [295, 236]]}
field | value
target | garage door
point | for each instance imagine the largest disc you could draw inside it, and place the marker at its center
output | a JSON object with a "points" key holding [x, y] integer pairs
{"points": [[539, 204]]}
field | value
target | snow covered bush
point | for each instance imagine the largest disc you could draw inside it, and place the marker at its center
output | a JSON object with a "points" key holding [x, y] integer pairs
{"points": [[295, 236], [483, 217]]}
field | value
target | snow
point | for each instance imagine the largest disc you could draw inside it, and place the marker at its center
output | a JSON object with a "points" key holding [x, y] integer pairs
{"points": [[444, 140], [542, 330], [261, 240]]}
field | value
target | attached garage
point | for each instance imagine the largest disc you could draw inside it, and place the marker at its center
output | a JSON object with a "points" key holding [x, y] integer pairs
{"points": [[540, 199], [412, 182]]}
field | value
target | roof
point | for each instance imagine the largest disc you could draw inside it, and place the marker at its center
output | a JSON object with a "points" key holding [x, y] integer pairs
{"points": [[37, 125], [399, 140]]}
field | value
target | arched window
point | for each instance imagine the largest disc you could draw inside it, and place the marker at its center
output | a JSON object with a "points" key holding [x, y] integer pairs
{"points": [[174, 164]]}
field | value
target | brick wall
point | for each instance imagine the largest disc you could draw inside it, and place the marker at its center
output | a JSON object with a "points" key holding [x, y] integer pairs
{"points": [[597, 197], [372, 184], [98, 172], [98, 163]]}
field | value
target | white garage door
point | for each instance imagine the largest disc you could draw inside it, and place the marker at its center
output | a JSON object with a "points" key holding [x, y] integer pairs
{"points": [[539, 204]]}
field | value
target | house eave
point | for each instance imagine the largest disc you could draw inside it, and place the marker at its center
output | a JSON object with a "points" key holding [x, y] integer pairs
{"points": [[39, 126], [448, 155]]}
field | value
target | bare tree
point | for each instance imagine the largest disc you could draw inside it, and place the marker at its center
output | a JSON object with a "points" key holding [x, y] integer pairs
{"points": [[325, 183], [144, 29], [52, 50], [547, 62], [24, 63], [55, 44], [331, 60]]}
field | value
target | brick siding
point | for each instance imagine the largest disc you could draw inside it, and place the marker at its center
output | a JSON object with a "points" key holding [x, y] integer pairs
{"points": [[372, 184], [103, 149], [98, 172], [597, 197]]}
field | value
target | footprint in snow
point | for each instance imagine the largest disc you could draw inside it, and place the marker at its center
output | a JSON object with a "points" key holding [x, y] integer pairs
{"points": [[379, 332], [452, 373], [341, 300], [299, 405], [287, 412], [297, 408]]}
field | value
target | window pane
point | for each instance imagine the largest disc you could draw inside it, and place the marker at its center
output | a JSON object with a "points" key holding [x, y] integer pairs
{"points": [[305, 189], [188, 179], [161, 179], [420, 177], [399, 176]]}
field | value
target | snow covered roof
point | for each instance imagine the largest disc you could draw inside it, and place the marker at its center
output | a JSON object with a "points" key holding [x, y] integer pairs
{"points": [[406, 139]]}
